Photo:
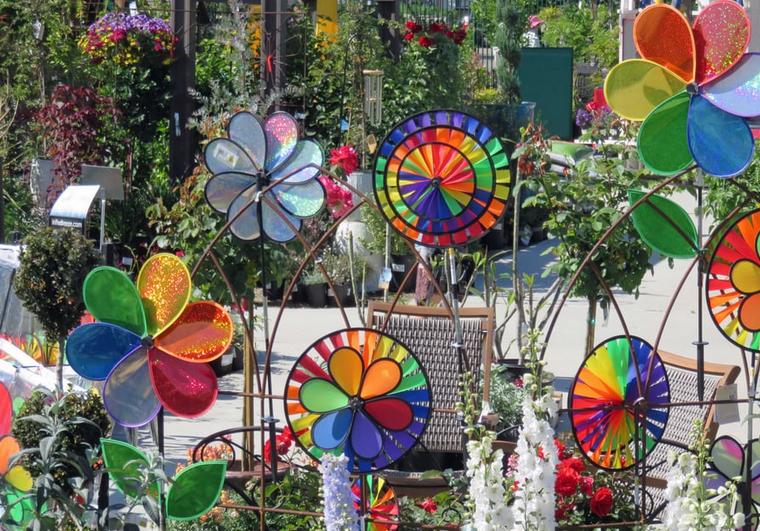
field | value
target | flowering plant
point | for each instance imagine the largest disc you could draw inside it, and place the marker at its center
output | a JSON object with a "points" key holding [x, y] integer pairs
{"points": [[128, 39], [339, 199], [434, 33], [283, 443], [345, 158], [588, 496], [336, 494]]}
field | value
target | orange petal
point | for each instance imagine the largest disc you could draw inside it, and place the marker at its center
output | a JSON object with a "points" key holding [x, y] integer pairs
{"points": [[749, 313], [164, 287], [201, 334], [8, 448], [346, 369], [381, 378], [663, 35]]}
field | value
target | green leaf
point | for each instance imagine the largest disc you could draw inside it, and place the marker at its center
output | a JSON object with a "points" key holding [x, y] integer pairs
{"points": [[123, 462], [656, 219], [195, 490]]}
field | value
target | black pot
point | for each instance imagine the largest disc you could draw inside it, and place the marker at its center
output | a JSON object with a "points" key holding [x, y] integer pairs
{"points": [[274, 293], [316, 294], [400, 264], [513, 367], [344, 294]]}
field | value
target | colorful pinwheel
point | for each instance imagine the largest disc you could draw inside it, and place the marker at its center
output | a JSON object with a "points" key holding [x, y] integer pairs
{"points": [[379, 502], [150, 346], [602, 400], [255, 155], [442, 178], [361, 393], [17, 478], [727, 462], [694, 89], [733, 282]]}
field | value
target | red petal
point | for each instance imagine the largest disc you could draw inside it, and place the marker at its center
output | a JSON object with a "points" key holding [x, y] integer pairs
{"points": [[183, 388], [391, 413]]}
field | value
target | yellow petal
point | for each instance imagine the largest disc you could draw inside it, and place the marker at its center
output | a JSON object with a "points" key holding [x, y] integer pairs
{"points": [[636, 86], [745, 276], [19, 479]]}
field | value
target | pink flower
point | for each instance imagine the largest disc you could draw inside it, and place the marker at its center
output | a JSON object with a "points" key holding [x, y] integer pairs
{"points": [[179, 253], [339, 200], [429, 505], [346, 158]]}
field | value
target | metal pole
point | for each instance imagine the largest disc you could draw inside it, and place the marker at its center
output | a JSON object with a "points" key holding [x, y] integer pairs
{"points": [[450, 267], [700, 343], [516, 283], [102, 219], [161, 511], [181, 139]]}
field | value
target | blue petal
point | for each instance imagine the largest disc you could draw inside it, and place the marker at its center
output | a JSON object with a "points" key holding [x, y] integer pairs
{"points": [[330, 430], [93, 350]]}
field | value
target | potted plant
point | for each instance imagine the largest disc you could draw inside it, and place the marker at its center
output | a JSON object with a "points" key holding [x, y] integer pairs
{"points": [[338, 267], [375, 243], [506, 398], [314, 286]]}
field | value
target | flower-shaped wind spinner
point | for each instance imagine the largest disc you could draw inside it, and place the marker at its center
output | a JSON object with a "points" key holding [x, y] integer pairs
{"points": [[253, 156], [728, 462], [360, 393], [694, 88], [149, 344]]}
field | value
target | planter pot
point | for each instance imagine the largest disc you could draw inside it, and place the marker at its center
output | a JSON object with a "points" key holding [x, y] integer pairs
{"points": [[316, 294], [513, 367], [274, 292], [400, 264], [344, 294], [362, 180]]}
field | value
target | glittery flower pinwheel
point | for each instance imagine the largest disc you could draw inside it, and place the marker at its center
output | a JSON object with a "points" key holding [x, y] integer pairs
{"points": [[150, 346], [254, 155], [728, 461], [694, 88], [360, 393]]}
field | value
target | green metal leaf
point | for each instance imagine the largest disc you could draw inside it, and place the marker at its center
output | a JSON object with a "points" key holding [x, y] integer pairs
{"points": [[122, 462], [195, 490], [656, 220]]}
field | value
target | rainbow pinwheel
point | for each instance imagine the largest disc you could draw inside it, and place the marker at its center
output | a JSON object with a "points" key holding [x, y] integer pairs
{"points": [[604, 392], [361, 393], [379, 502], [733, 282], [17, 477], [728, 462], [442, 178], [255, 155], [150, 346], [694, 88]]}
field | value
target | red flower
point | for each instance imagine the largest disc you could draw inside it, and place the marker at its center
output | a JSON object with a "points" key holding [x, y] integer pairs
{"points": [[561, 448], [574, 463], [429, 505], [519, 383], [566, 482], [413, 27], [425, 42], [180, 253], [346, 158], [438, 27], [587, 485], [598, 105], [283, 442], [601, 502], [562, 509], [515, 486], [408, 36]]}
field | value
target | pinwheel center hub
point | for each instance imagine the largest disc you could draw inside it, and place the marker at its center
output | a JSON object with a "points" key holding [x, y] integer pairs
{"points": [[692, 89], [355, 403], [436, 181], [147, 342]]}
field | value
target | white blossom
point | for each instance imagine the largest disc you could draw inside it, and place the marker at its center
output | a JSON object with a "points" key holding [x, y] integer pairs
{"points": [[487, 485], [338, 504]]}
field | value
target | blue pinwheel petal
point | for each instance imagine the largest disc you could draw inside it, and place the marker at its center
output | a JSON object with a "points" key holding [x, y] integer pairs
{"points": [[738, 91], [274, 224], [222, 189], [224, 155], [281, 137], [246, 224], [302, 165], [721, 143], [331, 429], [128, 393], [301, 200], [94, 349], [247, 131]]}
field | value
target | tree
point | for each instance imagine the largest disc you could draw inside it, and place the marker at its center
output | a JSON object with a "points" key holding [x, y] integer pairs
{"points": [[53, 265]]}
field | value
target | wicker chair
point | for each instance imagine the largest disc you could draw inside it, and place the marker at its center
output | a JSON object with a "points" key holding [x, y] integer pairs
{"points": [[429, 334], [682, 375]]}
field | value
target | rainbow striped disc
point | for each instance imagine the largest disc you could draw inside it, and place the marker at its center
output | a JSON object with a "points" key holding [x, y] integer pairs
{"points": [[441, 178], [602, 399], [733, 282], [360, 393], [380, 502]]}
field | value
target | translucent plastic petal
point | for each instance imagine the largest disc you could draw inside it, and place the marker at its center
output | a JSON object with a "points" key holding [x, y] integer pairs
{"points": [[128, 394], [122, 462], [195, 490], [282, 136], [8, 448], [274, 224], [201, 334], [296, 169], [111, 297], [656, 221], [745, 276], [248, 132], [222, 189], [19, 478], [662, 143], [662, 34], [6, 411], [738, 92], [381, 377], [366, 439], [330, 430], [727, 456], [346, 368], [223, 155], [22, 509], [634, 87], [721, 36], [721, 143], [94, 349], [246, 225], [185, 389], [164, 287], [301, 200], [321, 396]]}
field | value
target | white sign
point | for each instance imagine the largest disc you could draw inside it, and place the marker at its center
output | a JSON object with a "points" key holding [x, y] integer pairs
{"points": [[72, 206]]}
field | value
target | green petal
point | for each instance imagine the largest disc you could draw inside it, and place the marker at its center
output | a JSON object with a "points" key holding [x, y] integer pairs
{"points": [[21, 509], [195, 490], [655, 219], [321, 396], [662, 142], [111, 297], [122, 462]]}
